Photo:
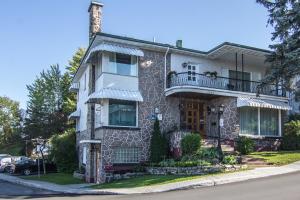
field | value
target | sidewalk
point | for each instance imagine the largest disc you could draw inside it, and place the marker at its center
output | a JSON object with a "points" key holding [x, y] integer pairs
{"points": [[212, 180]]}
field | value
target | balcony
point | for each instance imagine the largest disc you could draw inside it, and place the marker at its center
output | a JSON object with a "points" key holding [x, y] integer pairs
{"points": [[223, 83]]}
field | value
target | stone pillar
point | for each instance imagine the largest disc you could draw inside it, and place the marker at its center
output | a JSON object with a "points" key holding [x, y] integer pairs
{"points": [[95, 11]]}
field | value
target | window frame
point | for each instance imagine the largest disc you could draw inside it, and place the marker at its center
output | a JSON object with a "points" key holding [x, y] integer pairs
{"points": [[259, 135], [122, 126], [136, 150], [114, 55]]}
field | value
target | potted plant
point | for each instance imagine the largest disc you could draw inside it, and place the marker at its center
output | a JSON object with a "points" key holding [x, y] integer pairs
{"points": [[213, 74]]}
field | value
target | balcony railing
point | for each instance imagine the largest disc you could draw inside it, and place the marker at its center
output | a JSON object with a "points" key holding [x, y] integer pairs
{"points": [[201, 80]]}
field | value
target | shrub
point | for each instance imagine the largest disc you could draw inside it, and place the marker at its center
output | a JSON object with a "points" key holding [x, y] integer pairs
{"points": [[208, 153], [230, 160], [245, 145], [158, 145], [190, 144], [63, 151], [291, 137], [167, 163], [294, 117], [192, 163]]}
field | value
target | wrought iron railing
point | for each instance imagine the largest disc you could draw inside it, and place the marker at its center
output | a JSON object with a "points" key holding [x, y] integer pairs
{"points": [[224, 83]]}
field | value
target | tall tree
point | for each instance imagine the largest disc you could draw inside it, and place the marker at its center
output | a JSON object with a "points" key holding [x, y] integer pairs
{"points": [[284, 16], [10, 121], [71, 68], [46, 106]]}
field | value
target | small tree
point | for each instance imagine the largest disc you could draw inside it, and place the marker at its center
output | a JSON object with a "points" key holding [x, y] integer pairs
{"points": [[63, 151], [158, 145]]}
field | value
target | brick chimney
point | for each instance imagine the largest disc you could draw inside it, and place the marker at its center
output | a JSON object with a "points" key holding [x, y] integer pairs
{"points": [[95, 11]]}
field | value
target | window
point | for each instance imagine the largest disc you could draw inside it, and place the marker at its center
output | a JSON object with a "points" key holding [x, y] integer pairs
{"points": [[191, 72], [85, 81], [122, 113], [268, 122], [248, 120], [77, 124], [84, 155], [259, 121], [123, 64], [123, 155], [240, 80]]}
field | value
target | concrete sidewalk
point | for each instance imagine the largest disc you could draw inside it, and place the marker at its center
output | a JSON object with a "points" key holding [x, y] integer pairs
{"points": [[212, 180]]}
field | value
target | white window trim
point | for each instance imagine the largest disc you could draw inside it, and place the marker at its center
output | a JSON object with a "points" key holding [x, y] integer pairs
{"points": [[115, 72], [136, 115], [258, 127]]}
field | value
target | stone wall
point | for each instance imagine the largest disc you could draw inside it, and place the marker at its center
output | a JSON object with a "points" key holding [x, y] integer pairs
{"points": [[197, 170], [175, 142], [230, 130]]}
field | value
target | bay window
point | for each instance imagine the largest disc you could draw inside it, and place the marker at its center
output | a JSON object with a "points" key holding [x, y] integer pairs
{"points": [[123, 64], [122, 113], [260, 121]]}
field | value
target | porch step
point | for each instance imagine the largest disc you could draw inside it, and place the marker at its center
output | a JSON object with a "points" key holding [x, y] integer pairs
{"points": [[226, 146]]}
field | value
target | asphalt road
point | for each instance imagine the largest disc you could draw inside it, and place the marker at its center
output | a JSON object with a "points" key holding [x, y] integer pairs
{"points": [[12, 190], [284, 187]]}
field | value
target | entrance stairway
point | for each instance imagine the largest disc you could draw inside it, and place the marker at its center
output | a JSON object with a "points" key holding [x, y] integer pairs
{"points": [[227, 146]]}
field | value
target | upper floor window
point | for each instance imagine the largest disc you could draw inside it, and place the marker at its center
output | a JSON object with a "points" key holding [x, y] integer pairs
{"points": [[240, 80], [123, 64]]}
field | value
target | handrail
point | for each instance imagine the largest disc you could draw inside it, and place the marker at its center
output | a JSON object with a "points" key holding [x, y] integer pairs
{"points": [[225, 83]]}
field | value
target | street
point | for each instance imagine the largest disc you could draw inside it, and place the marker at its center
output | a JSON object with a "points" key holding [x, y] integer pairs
{"points": [[284, 187], [9, 189]]}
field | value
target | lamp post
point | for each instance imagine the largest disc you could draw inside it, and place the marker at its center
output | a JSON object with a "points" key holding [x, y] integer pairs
{"points": [[220, 124], [219, 111]]}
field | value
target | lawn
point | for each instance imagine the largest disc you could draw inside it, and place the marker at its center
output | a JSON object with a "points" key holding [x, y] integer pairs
{"points": [[57, 178], [145, 181], [278, 157]]}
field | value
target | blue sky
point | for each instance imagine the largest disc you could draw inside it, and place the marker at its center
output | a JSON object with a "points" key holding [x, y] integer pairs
{"points": [[37, 33]]}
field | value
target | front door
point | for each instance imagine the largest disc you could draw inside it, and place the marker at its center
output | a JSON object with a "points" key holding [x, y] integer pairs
{"points": [[193, 117]]}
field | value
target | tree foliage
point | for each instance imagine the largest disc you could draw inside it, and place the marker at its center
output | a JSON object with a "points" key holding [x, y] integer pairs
{"points": [[48, 102], [158, 145], [10, 121], [63, 151], [284, 16]]}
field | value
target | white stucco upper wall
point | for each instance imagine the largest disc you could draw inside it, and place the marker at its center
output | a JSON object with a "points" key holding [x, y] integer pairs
{"points": [[206, 64]]}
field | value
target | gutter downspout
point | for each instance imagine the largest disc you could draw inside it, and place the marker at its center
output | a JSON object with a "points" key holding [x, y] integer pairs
{"points": [[168, 49]]}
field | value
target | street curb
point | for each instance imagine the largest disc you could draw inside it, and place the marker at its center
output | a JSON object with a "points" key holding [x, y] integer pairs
{"points": [[205, 182]]}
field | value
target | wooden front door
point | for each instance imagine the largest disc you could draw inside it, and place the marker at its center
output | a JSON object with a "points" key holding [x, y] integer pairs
{"points": [[193, 117]]}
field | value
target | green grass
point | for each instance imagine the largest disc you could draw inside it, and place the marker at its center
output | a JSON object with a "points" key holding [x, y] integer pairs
{"points": [[57, 178], [148, 180], [278, 157]]}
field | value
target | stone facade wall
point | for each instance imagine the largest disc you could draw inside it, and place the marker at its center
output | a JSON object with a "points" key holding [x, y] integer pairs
{"points": [[175, 142], [230, 130], [151, 86]]}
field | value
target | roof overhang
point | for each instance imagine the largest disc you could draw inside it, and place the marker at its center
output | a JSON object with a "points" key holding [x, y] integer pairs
{"points": [[262, 103], [75, 115], [109, 93], [235, 48], [116, 48]]}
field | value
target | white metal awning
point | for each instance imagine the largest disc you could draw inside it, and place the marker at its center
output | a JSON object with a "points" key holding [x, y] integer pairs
{"points": [[116, 48], [108, 93], [90, 142], [75, 114], [262, 103]]}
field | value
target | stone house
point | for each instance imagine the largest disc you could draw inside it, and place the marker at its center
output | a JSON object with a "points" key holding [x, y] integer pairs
{"points": [[123, 84]]}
